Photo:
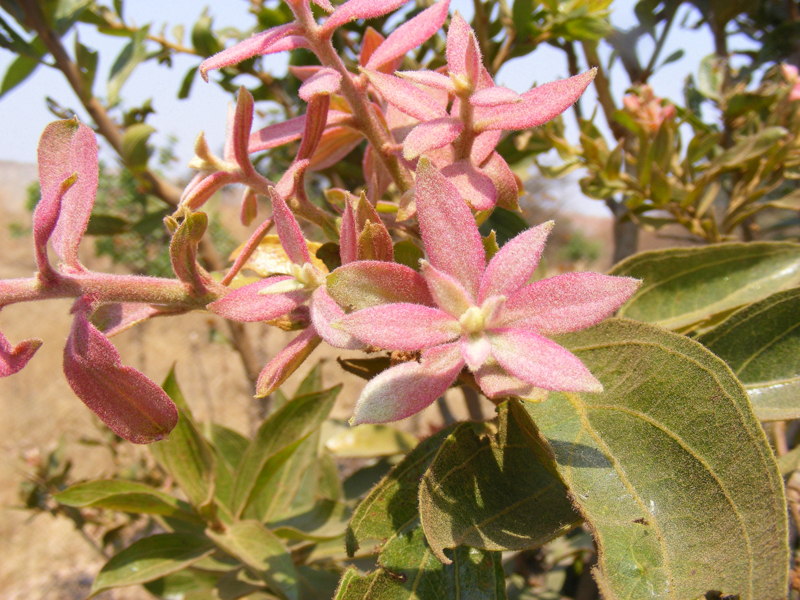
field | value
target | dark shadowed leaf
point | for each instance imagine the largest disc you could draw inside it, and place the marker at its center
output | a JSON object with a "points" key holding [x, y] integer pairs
{"points": [[669, 467]]}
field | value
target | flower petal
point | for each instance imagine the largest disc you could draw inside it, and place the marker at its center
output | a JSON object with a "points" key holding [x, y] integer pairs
{"points": [[513, 265], [463, 54], [259, 44], [324, 310], [324, 81], [14, 358], [430, 135], [449, 232], [540, 105], [368, 283], [284, 132], [567, 302], [541, 362], [407, 388], [447, 292], [406, 96], [358, 9], [432, 79], [348, 235], [289, 231], [411, 34], [402, 326], [475, 349], [492, 96], [506, 183], [247, 304], [285, 362], [496, 383], [475, 188], [129, 403]]}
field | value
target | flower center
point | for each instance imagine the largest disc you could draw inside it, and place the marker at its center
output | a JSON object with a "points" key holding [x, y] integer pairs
{"points": [[307, 275], [476, 319]]}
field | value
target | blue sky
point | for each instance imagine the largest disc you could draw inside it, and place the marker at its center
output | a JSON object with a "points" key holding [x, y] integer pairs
{"points": [[24, 113]]}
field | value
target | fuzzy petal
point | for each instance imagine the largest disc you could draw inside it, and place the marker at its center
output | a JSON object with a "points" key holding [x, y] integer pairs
{"points": [[359, 9], [567, 302], [406, 96], [248, 305], [324, 81], [411, 34], [368, 283], [448, 228], [493, 96], [432, 79], [324, 310], [14, 358], [541, 362], [447, 292], [406, 327], [259, 44], [407, 388], [348, 236], [496, 383], [484, 145], [463, 54], [286, 362], [289, 232], [132, 406], [475, 349], [512, 267], [430, 135], [475, 188], [507, 184], [284, 132], [539, 105]]}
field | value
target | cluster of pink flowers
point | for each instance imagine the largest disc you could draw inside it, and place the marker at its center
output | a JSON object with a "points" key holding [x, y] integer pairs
{"points": [[430, 140], [648, 109]]}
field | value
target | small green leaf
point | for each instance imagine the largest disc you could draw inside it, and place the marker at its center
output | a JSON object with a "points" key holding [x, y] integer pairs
{"points": [[186, 455], [229, 444], [494, 494], [750, 147], [669, 467], [710, 76], [186, 83], [18, 71], [263, 552], [128, 59], [325, 520], [135, 148], [761, 343], [505, 224], [682, 287], [100, 224], [151, 558], [203, 38], [86, 61], [126, 496], [365, 441], [408, 253]]}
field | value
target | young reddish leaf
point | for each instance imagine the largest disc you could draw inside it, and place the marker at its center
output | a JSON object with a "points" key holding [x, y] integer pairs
{"points": [[259, 44], [334, 145], [289, 232], [348, 236], [45, 219], [129, 403], [406, 96], [430, 135], [240, 131], [448, 228], [484, 145], [411, 34], [324, 311], [314, 126], [369, 283], [438, 81], [283, 364], [324, 81], [475, 188], [249, 304], [117, 317], [447, 292], [14, 358], [539, 105], [463, 54], [369, 43], [67, 148], [512, 267], [506, 183], [183, 252], [494, 96], [359, 9]]}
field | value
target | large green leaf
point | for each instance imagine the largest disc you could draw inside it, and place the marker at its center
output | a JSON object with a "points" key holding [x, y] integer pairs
{"points": [[761, 343], [186, 455], [126, 496], [494, 493], [682, 287], [670, 469], [151, 558], [275, 442], [263, 552]]}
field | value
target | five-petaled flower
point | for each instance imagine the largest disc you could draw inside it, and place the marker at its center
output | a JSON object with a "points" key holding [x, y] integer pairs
{"points": [[487, 317]]}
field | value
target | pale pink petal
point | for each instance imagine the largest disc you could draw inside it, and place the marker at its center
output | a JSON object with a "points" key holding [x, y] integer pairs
{"points": [[131, 405], [512, 267], [541, 362], [14, 358], [411, 34], [432, 79], [407, 327], [247, 304], [324, 81], [289, 232], [359, 9], [540, 105], [484, 146], [475, 188], [475, 349], [409, 387], [284, 132], [67, 148], [290, 42], [496, 383], [348, 236], [494, 96], [506, 183], [463, 54], [406, 96], [261, 43], [567, 302], [324, 310], [305, 71], [447, 292], [449, 232], [286, 362], [431, 134], [368, 283]]}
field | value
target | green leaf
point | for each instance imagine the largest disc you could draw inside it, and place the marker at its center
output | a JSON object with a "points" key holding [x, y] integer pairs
{"points": [[505, 224], [326, 519], [761, 343], [669, 467], [128, 59], [710, 76], [203, 38], [18, 71], [365, 441], [151, 558], [126, 496], [263, 552], [229, 444], [182, 584], [312, 382], [408, 253], [283, 431], [683, 287], [86, 61], [135, 149], [186, 83], [186, 455], [750, 147], [494, 494], [100, 224]]}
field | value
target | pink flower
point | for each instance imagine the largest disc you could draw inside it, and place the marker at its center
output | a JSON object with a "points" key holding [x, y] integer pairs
{"points": [[650, 110], [790, 74], [486, 317]]}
